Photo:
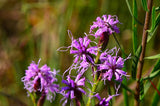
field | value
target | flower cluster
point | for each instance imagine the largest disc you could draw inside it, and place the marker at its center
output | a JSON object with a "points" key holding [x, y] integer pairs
{"points": [[82, 51], [40, 79], [111, 65], [73, 88], [107, 24], [106, 65]]}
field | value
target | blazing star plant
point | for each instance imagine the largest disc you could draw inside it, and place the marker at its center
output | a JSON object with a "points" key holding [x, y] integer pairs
{"points": [[41, 81], [105, 65], [96, 66], [106, 68]]}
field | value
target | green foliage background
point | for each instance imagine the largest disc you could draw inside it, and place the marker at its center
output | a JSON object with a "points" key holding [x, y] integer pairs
{"points": [[33, 29]]}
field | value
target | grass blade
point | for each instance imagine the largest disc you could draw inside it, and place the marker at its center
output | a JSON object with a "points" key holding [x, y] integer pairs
{"points": [[129, 7], [153, 19], [153, 57], [141, 89], [157, 22], [156, 67], [152, 75], [158, 8]]}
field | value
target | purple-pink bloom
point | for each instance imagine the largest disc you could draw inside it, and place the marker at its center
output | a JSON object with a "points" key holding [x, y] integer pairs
{"points": [[80, 47], [73, 88], [40, 79], [112, 66], [107, 24]]}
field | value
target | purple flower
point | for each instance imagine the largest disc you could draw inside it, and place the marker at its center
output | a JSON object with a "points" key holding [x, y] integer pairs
{"points": [[73, 88], [107, 24], [82, 52], [104, 101], [40, 79], [112, 66]]}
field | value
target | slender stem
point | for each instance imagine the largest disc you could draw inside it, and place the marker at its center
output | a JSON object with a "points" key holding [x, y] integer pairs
{"points": [[33, 98], [91, 94], [119, 44], [95, 80], [141, 60]]}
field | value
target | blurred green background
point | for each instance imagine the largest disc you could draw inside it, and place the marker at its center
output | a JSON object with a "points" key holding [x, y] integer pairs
{"points": [[33, 29]]}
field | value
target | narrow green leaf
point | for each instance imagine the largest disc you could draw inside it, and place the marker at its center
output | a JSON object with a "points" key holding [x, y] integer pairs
{"points": [[156, 97], [144, 5], [155, 28], [153, 57], [135, 62], [129, 7], [141, 89], [152, 75], [153, 19], [157, 8], [157, 66], [157, 20], [146, 86]]}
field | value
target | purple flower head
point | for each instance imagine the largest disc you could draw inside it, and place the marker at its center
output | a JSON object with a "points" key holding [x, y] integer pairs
{"points": [[107, 24], [82, 52], [40, 79], [73, 88], [112, 66], [104, 101]]}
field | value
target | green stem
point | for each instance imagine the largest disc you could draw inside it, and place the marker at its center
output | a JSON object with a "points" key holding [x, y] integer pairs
{"points": [[96, 81], [33, 98], [91, 94]]}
